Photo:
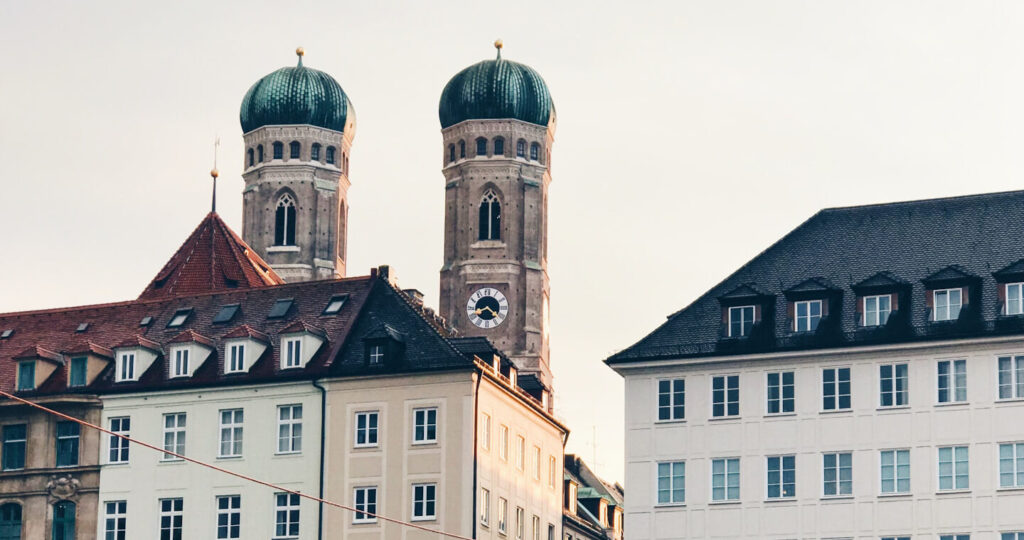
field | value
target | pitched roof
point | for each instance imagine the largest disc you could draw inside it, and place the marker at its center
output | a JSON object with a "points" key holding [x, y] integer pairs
{"points": [[886, 245], [213, 258]]}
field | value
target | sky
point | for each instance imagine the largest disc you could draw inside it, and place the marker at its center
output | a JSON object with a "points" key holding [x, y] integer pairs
{"points": [[691, 135]]}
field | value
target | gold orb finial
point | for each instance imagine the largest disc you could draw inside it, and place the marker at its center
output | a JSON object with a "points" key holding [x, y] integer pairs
{"points": [[300, 51], [498, 44], [214, 173]]}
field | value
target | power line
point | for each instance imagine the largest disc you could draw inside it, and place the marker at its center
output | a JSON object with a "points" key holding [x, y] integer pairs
{"points": [[226, 471]]}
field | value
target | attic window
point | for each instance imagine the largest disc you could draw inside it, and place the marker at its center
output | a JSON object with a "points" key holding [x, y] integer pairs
{"points": [[334, 306], [179, 318], [226, 313], [280, 308], [146, 321], [82, 327], [7, 333]]}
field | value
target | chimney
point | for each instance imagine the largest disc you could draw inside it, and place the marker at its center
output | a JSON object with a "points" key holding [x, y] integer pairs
{"points": [[415, 295]]}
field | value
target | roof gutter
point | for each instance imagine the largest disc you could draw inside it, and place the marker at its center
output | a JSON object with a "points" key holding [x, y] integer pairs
{"points": [[323, 447]]}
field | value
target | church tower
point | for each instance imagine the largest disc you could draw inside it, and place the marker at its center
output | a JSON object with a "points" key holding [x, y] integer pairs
{"points": [[497, 126], [298, 127]]}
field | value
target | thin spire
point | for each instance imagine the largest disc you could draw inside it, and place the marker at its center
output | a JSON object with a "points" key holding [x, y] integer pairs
{"points": [[214, 173], [300, 52], [498, 45]]}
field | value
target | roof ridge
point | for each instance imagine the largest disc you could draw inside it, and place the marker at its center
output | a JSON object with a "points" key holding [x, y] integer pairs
{"points": [[919, 201]]}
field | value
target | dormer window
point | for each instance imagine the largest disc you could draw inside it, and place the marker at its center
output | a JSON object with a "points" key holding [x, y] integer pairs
{"points": [[376, 355], [947, 304], [741, 321], [126, 366], [808, 315], [77, 371], [572, 498], [236, 358], [1014, 299], [180, 363], [26, 375], [877, 309], [383, 346], [293, 353], [602, 513]]}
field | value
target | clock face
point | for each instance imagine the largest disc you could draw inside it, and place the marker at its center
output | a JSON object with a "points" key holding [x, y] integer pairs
{"points": [[487, 307]]}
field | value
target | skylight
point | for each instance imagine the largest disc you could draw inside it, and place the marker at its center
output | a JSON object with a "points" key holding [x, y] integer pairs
{"points": [[6, 334], [146, 321], [82, 327], [280, 308], [334, 306], [179, 318], [226, 313]]}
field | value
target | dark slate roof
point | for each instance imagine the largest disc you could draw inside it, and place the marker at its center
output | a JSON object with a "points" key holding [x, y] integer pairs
{"points": [[860, 248]]}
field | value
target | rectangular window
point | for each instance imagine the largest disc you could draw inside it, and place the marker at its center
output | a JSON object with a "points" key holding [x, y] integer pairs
{"points": [[895, 471], [485, 431], [671, 397], [425, 425], [67, 444], [552, 470], [115, 520], [485, 506], [520, 451], [808, 315], [536, 463], [672, 482], [289, 429], [126, 367], [366, 501], [230, 433], [1012, 536], [293, 351], [118, 447], [236, 358], [286, 516], [1011, 377], [174, 435], [877, 309], [78, 370], [895, 538], [952, 383], [171, 516], [376, 355], [1014, 299], [26, 375], [1011, 465], [835, 389], [781, 480], [503, 442], [229, 516], [955, 537], [366, 429], [741, 321], [946, 304], [520, 522], [424, 498], [837, 474], [180, 363], [953, 468], [725, 479], [502, 516], [892, 385], [725, 396], [14, 447], [781, 393], [536, 527]]}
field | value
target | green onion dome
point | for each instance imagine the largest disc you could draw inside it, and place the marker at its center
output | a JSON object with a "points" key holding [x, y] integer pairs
{"points": [[296, 95], [496, 88]]}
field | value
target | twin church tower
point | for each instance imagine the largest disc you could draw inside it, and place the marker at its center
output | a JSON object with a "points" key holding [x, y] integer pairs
{"points": [[497, 127]]}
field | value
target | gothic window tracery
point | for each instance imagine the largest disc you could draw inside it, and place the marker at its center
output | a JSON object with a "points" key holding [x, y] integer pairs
{"points": [[490, 216], [284, 221]]}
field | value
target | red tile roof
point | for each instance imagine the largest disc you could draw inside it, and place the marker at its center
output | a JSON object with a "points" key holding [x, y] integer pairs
{"points": [[191, 336], [213, 258], [246, 331], [39, 352], [300, 326]]}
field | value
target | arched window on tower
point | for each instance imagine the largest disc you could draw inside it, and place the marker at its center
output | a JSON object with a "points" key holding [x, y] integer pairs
{"points": [[259, 153], [284, 221], [490, 216], [499, 146], [10, 521], [520, 148], [481, 146], [64, 521], [462, 149], [252, 157], [278, 150], [293, 150], [451, 153], [330, 155], [534, 152], [314, 152]]}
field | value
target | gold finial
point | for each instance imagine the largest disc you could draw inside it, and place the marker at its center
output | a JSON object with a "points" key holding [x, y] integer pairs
{"points": [[214, 173], [498, 44], [300, 51]]}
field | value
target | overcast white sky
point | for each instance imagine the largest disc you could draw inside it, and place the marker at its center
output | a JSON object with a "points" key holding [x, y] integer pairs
{"points": [[691, 135]]}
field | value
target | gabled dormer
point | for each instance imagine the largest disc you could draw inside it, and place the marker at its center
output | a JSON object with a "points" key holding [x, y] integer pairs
{"points": [[880, 301], [243, 346], [810, 305], [35, 365], [1010, 289], [951, 294], [85, 362], [571, 490], [747, 312], [299, 342], [133, 357], [186, 353], [384, 346]]}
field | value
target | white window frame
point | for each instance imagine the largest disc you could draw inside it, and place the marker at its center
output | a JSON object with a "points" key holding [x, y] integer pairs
{"points": [[421, 495], [895, 392], [1016, 463], [1010, 381], [503, 442], [726, 472], [366, 505], [126, 367], [115, 519], [670, 467], [362, 427], [953, 475], [288, 441], [947, 313], [809, 321], [782, 477], [520, 522], [745, 325], [292, 349], [485, 507], [520, 455], [837, 395], [725, 396], [536, 463], [875, 315], [502, 516], [536, 527], [780, 397], [954, 376], [172, 513], [235, 358], [552, 467], [230, 511], [292, 503], [376, 354], [118, 449], [671, 400], [421, 419], [896, 478], [485, 431], [180, 363], [174, 435], [231, 432], [838, 470], [1014, 293]]}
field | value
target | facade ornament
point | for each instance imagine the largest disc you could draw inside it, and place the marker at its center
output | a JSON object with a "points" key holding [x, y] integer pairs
{"points": [[62, 487]]}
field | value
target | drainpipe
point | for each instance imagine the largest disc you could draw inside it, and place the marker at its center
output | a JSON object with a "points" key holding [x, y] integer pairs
{"points": [[323, 447], [476, 444]]}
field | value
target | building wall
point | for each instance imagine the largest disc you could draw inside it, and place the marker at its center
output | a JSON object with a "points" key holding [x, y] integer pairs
{"points": [[981, 423], [146, 478]]}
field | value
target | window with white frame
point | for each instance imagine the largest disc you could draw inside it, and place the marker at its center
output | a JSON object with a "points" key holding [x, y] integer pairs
{"points": [[835, 389], [741, 321], [573, 500], [286, 516], [117, 451], [781, 481], [376, 354], [174, 435], [366, 501], [424, 500], [520, 522], [952, 381], [1011, 377], [485, 506], [781, 392], [536, 527], [671, 399], [115, 520], [292, 353], [229, 516], [1014, 299], [230, 433], [895, 538], [955, 537], [946, 304], [725, 479], [552, 469], [180, 363], [1012, 536], [807, 315], [366, 429], [236, 358], [892, 385], [502, 516], [171, 516], [725, 396], [671, 482], [424, 425], [485, 431], [895, 471], [289, 429], [954, 468], [837, 472], [503, 442], [536, 463], [877, 309], [1011, 465], [126, 367], [520, 452]]}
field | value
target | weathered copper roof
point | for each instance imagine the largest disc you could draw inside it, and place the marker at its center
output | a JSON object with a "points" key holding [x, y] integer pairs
{"points": [[496, 88], [297, 95]]}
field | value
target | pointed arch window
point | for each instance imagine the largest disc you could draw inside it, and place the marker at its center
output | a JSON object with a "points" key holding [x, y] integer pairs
{"points": [[10, 522], [481, 146], [330, 155], [490, 216], [252, 157], [499, 146], [314, 152], [534, 152], [451, 153], [520, 148], [64, 521], [284, 221], [293, 150], [278, 150], [462, 149], [259, 153]]}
